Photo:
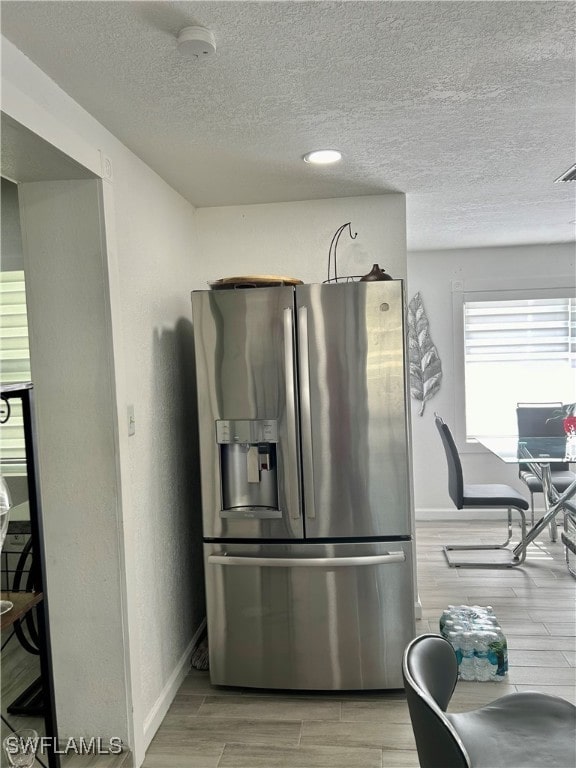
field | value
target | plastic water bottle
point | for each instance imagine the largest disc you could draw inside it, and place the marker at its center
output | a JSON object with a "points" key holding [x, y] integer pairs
{"points": [[448, 627], [498, 655], [504, 648], [490, 615], [478, 641], [486, 646], [483, 668], [467, 670], [453, 638], [446, 616]]}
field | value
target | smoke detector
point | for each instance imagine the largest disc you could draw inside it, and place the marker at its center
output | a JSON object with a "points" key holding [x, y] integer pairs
{"points": [[196, 41]]}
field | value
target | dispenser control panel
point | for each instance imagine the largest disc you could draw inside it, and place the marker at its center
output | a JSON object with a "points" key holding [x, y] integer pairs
{"points": [[230, 431]]}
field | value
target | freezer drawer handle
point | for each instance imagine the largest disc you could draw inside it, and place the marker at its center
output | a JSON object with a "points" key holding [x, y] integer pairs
{"points": [[308, 562], [250, 513]]}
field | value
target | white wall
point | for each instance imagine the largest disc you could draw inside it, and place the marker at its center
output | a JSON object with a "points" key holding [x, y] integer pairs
{"points": [[11, 248], [431, 273], [71, 362], [157, 261], [153, 261], [293, 239], [151, 265], [158, 249]]}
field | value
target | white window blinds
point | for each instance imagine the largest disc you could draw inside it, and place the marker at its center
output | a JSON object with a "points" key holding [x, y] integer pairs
{"points": [[516, 350], [14, 364], [521, 330]]}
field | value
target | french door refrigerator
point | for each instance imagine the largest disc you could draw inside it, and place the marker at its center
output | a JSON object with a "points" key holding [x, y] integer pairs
{"points": [[306, 493]]}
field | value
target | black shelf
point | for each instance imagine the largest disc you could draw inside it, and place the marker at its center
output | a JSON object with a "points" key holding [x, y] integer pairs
{"points": [[41, 698]]}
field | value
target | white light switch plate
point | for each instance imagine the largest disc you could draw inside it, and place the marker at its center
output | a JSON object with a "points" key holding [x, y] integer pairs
{"points": [[131, 421]]}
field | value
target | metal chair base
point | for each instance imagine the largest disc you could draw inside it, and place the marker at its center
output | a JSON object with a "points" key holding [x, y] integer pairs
{"points": [[497, 555]]}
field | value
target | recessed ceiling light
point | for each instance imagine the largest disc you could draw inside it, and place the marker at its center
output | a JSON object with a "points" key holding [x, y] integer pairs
{"points": [[323, 156]]}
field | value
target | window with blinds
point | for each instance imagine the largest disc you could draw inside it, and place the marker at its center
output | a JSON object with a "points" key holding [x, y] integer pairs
{"points": [[14, 365], [520, 350]]}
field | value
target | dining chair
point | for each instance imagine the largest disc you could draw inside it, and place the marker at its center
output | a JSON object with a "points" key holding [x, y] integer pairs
{"points": [[479, 496], [527, 730], [537, 420]]}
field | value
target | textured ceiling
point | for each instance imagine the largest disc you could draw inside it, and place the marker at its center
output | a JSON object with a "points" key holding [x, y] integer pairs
{"points": [[467, 107]]}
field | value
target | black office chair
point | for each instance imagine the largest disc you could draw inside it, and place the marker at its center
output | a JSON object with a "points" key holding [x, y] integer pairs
{"points": [[482, 496], [534, 420], [520, 730]]}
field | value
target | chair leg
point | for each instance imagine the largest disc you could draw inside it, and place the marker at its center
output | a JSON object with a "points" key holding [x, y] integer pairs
{"points": [[552, 527], [553, 530], [509, 530], [568, 538], [505, 560]]}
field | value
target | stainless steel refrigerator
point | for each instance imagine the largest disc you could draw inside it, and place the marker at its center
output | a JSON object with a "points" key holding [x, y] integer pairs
{"points": [[306, 492]]}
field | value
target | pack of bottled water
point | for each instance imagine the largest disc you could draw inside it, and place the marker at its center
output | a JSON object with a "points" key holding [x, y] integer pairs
{"points": [[478, 641]]}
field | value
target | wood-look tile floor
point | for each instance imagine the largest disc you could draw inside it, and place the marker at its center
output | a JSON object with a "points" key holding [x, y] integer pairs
{"points": [[18, 669], [209, 727]]}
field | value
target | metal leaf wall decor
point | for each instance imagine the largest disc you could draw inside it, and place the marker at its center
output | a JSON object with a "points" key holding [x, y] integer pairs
{"points": [[425, 365]]}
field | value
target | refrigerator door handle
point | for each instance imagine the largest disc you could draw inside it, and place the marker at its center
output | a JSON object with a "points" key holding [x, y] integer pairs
{"points": [[290, 392], [305, 413], [308, 562], [250, 513]]}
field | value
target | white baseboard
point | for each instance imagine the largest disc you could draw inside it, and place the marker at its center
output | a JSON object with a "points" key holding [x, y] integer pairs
{"points": [[461, 515], [162, 703], [418, 608]]}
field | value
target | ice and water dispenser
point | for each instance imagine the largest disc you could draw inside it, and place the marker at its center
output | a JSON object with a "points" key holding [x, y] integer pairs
{"points": [[248, 467]]}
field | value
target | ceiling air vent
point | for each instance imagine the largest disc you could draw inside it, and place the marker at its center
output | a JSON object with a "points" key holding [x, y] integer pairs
{"points": [[569, 175]]}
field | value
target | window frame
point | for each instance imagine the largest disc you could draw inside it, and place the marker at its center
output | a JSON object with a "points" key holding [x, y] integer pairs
{"points": [[491, 289], [14, 465]]}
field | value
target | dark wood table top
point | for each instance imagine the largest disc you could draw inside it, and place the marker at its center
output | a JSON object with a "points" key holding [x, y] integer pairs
{"points": [[23, 601]]}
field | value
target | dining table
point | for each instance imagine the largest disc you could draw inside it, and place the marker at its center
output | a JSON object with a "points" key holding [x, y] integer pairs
{"points": [[540, 454]]}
